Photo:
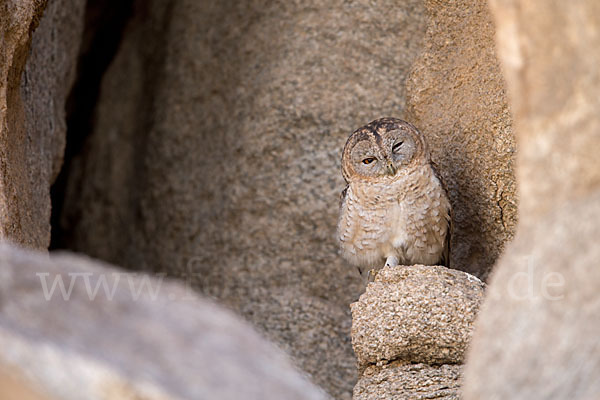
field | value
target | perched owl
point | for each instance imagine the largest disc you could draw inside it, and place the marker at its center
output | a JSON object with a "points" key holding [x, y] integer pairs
{"points": [[395, 208]]}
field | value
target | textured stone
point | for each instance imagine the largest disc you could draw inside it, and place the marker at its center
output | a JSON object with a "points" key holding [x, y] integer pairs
{"points": [[537, 333], [45, 85], [32, 97], [17, 21], [14, 387], [217, 152], [396, 381], [130, 337], [410, 330], [420, 314], [456, 97], [550, 55]]}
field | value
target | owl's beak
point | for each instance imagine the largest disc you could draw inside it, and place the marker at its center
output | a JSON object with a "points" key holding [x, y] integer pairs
{"points": [[391, 169]]}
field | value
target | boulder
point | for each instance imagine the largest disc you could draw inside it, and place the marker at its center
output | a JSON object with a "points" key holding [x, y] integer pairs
{"points": [[456, 96], [420, 314], [77, 328], [13, 386], [36, 73], [216, 155], [537, 332], [398, 381], [410, 331], [550, 58]]}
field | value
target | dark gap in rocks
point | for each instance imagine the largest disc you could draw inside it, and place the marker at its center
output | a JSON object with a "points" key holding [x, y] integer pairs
{"points": [[105, 22]]}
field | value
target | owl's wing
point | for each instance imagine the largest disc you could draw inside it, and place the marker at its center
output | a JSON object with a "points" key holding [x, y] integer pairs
{"points": [[343, 196], [446, 252]]}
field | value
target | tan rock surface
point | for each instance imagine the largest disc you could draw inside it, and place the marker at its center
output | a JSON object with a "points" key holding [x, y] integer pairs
{"points": [[45, 85], [109, 334], [550, 57], [14, 387], [537, 334], [421, 314], [32, 97], [456, 97], [217, 150], [17, 21], [397, 381], [410, 331]]}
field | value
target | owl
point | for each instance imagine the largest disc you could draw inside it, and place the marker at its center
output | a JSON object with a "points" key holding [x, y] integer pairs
{"points": [[395, 208]]}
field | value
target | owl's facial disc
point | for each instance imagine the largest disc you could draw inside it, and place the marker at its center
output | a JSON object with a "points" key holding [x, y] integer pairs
{"points": [[384, 148]]}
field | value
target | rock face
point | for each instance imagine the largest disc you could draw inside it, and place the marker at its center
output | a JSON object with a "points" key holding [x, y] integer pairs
{"points": [[456, 97], [17, 21], [537, 334], [552, 75], [398, 381], [410, 331], [106, 333], [388, 321], [32, 98], [216, 154], [14, 387]]}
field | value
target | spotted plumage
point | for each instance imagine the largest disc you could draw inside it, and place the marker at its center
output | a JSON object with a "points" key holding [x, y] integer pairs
{"points": [[395, 208]]}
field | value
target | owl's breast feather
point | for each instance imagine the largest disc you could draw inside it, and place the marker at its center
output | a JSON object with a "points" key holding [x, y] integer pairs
{"points": [[406, 218]]}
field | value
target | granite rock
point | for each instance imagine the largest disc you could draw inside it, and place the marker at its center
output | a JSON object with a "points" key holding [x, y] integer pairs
{"points": [[13, 386], [17, 21], [36, 73], [536, 335], [537, 331], [419, 314], [216, 154], [399, 381], [456, 96], [77, 328]]}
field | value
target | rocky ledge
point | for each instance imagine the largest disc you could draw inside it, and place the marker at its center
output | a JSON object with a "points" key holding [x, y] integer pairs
{"points": [[410, 331]]}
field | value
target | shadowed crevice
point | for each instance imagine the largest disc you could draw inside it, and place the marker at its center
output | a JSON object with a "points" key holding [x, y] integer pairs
{"points": [[105, 22]]}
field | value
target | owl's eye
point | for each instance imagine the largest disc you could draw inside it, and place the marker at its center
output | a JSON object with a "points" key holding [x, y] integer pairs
{"points": [[397, 146], [369, 160]]}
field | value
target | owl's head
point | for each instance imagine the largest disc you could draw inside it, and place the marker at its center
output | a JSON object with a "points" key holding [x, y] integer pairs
{"points": [[383, 149]]}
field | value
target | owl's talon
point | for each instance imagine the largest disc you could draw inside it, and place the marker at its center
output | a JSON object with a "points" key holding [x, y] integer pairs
{"points": [[391, 261], [371, 275]]}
